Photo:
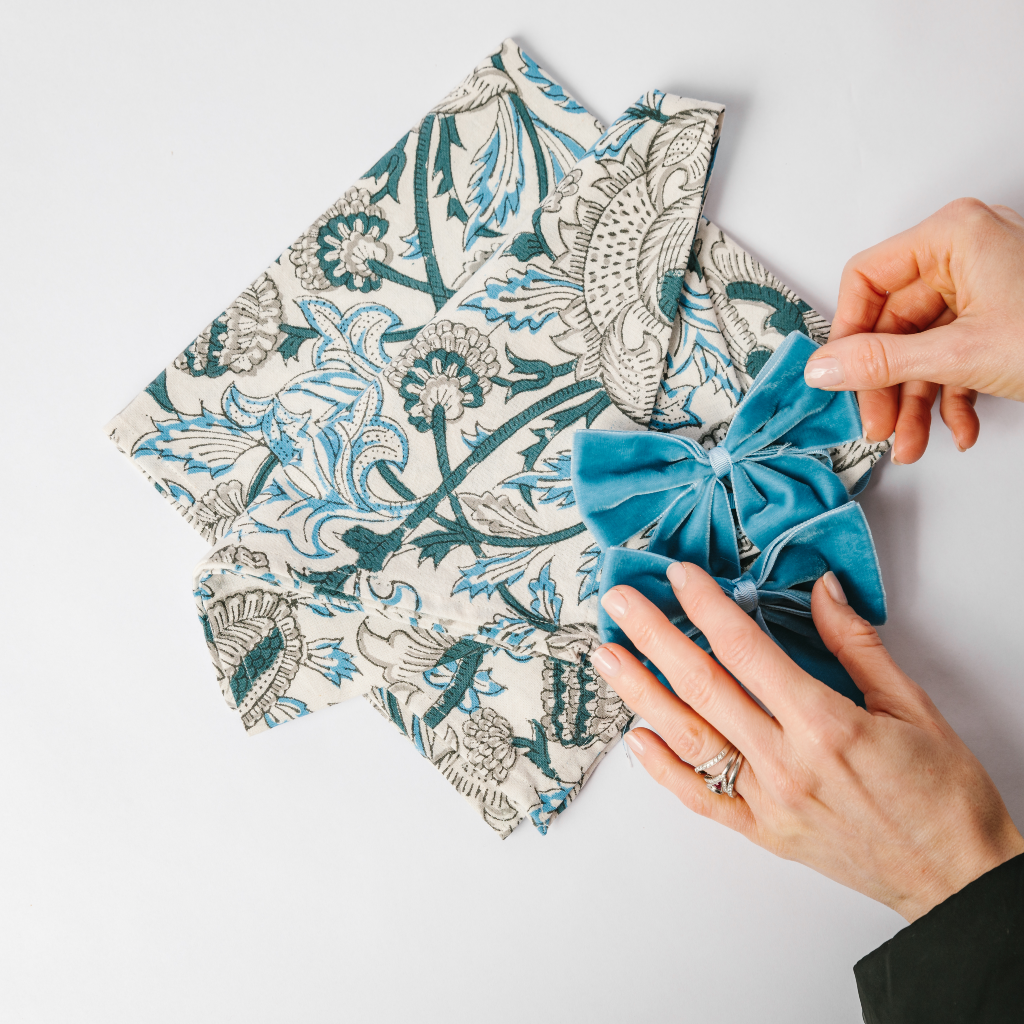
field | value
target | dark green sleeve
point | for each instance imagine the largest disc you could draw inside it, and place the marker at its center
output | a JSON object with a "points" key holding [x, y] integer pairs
{"points": [[962, 962]]}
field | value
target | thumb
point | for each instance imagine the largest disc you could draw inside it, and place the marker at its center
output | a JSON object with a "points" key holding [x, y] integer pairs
{"points": [[855, 642], [866, 362]]}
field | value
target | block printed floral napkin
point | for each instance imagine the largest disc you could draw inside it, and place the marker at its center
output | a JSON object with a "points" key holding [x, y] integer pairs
{"points": [[375, 436]]}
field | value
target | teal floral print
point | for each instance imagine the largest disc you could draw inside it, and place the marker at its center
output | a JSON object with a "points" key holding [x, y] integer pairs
{"points": [[376, 435], [345, 247], [447, 368]]}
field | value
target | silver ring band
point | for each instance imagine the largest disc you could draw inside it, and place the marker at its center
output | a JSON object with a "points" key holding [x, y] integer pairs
{"points": [[725, 780]]}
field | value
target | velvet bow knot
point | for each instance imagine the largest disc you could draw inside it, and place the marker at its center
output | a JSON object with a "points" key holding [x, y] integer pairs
{"points": [[774, 458], [776, 591]]}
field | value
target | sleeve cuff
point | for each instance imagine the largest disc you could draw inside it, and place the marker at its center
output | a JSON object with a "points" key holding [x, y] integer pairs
{"points": [[962, 961]]}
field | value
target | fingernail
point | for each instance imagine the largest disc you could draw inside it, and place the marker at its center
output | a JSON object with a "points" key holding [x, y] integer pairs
{"points": [[676, 574], [614, 604], [834, 588], [606, 663], [959, 446], [634, 744], [825, 372], [893, 459]]}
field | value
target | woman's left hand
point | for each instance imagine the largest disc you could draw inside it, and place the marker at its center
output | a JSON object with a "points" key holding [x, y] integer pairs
{"points": [[887, 800]]}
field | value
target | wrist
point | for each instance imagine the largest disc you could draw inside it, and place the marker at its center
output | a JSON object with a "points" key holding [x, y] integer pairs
{"points": [[960, 872]]}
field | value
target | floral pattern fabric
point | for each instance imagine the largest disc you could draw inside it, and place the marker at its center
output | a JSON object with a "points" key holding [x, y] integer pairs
{"points": [[376, 435]]}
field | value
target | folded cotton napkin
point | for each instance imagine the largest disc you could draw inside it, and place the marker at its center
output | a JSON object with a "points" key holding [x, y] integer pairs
{"points": [[376, 434]]}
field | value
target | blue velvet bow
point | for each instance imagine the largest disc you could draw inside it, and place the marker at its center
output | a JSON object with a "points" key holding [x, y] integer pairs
{"points": [[775, 455], [776, 590]]}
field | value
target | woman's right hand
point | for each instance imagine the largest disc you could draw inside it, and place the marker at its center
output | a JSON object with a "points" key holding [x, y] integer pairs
{"points": [[938, 306]]}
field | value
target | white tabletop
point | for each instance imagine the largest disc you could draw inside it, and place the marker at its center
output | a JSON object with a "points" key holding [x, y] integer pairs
{"points": [[158, 865]]}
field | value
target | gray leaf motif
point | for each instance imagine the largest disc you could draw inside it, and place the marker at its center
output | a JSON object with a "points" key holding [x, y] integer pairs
{"points": [[499, 516], [633, 376], [404, 654]]}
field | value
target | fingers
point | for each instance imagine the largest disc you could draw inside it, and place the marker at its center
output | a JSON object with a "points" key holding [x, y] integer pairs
{"points": [[857, 645], [878, 412], [957, 410], [867, 280], [687, 734], [889, 274], [866, 362], [667, 770], [697, 679], [743, 648], [914, 421], [911, 309]]}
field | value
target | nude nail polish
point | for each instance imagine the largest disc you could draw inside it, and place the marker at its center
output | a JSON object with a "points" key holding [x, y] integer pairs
{"points": [[826, 372], [614, 604], [834, 588], [676, 574], [634, 744], [606, 663]]}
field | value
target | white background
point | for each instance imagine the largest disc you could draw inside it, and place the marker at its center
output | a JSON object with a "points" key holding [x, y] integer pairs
{"points": [[158, 865]]}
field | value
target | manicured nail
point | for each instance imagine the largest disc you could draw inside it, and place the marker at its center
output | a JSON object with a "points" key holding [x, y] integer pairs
{"points": [[606, 663], [834, 588], [614, 604], [676, 574], [825, 372], [634, 744]]}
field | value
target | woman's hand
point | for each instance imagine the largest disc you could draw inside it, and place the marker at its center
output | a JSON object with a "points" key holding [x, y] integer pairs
{"points": [[940, 305], [888, 800]]}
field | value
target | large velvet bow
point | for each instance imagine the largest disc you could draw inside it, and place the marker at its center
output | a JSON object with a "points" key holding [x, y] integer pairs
{"points": [[775, 456], [776, 590]]}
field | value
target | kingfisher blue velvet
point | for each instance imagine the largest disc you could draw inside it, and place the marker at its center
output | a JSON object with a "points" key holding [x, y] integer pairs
{"points": [[776, 590], [774, 456]]}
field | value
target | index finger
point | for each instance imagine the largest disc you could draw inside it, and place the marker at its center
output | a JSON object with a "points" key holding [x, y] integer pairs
{"points": [[790, 693], [912, 262], [694, 676]]}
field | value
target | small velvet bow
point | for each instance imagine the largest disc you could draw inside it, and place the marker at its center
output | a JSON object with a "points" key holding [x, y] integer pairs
{"points": [[775, 456], [776, 590]]}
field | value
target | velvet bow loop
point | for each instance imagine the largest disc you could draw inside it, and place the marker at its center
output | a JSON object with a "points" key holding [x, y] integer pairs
{"points": [[776, 591], [774, 458]]}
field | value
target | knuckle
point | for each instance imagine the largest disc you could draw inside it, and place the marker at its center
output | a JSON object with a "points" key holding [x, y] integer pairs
{"points": [[645, 634], [696, 683], [699, 604], [741, 647], [967, 208], [870, 363], [689, 739], [860, 636], [791, 790], [827, 731]]}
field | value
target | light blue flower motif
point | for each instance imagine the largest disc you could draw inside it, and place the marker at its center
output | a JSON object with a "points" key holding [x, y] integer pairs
{"points": [[546, 601], [553, 485], [331, 661], [442, 676], [529, 299], [700, 366], [325, 472], [510, 633], [485, 575], [590, 570]]}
